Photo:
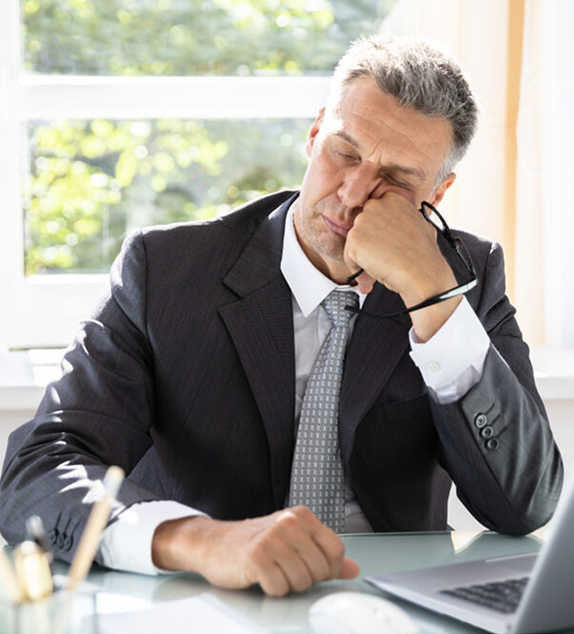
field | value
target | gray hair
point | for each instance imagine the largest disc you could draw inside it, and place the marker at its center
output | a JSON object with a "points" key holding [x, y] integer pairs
{"points": [[419, 76]]}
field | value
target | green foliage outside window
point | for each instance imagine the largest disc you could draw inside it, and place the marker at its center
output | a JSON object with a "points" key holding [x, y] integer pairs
{"points": [[193, 37], [89, 182]]}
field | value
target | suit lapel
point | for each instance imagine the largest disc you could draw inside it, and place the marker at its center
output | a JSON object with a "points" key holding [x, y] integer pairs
{"points": [[260, 324], [376, 347]]}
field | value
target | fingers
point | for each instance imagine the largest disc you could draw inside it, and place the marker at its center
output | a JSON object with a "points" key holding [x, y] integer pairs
{"points": [[262, 568], [299, 527], [298, 552], [366, 283]]}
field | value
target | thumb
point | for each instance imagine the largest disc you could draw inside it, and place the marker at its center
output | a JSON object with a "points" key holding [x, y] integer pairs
{"points": [[366, 283], [349, 569]]}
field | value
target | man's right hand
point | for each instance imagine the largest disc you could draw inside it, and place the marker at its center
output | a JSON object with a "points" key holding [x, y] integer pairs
{"points": [[287, 551]]}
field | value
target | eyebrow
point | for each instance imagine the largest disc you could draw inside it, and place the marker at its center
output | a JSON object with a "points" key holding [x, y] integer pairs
{"points": [[390, 167]]}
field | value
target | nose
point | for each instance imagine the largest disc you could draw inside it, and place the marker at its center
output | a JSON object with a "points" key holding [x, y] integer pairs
{"points": [[358, 186]]}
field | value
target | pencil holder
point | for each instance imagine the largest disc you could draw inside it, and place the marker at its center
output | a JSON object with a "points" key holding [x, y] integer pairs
{"points": [[63, 612]]}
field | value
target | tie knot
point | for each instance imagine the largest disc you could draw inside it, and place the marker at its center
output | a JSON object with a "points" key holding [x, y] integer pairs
{"points": [[336, 306]]}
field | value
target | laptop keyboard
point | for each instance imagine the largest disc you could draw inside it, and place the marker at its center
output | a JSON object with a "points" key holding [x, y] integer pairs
{"points": [[503, 596]]}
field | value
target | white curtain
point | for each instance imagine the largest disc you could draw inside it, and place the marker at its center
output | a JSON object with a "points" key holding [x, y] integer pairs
{"points": [[514, 184], [552, 21]]}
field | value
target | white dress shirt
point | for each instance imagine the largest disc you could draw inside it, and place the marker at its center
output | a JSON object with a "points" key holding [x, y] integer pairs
{"points": [[451, 362]]}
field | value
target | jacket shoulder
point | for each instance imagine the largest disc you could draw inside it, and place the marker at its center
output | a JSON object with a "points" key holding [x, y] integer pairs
{"points": [[243, 220]]}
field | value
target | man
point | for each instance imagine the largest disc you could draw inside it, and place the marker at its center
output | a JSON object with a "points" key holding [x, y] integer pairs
{"points": [[192, 373]]}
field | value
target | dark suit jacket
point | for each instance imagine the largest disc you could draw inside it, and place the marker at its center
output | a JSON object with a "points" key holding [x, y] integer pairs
{"points": [[185, 377]]}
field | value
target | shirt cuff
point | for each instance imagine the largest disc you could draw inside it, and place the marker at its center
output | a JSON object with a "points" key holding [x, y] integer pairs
{"points": [[126, 543], [452, 361]]}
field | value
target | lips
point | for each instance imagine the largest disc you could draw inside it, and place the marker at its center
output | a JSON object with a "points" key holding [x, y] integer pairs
{"points": [[342, 230]]}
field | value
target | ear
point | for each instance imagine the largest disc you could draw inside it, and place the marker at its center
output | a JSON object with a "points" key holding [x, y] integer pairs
{"points": [[314, 130], [441, 188]]}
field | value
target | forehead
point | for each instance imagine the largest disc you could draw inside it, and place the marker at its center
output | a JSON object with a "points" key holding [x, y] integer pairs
{"points": [[382, 130]]}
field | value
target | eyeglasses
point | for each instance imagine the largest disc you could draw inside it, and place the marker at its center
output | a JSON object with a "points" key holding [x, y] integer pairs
{"points": [[457, 244]]}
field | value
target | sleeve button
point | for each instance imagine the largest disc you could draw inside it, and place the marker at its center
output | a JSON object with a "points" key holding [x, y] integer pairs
{"points": [[481, 420], [492, 443], [486, 432]]}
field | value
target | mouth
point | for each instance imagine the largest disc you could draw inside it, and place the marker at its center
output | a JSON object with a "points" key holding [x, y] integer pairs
{"points": [[342, 230]]}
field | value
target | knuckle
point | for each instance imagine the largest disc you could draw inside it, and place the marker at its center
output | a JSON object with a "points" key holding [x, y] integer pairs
{"points": [[369, 204], [259, 552], [301, 511], [359, 223], [295, 518], [289, 518], [335, 550]]}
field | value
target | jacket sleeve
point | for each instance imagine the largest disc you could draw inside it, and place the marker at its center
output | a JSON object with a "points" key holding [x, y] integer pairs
{"points": [[97, 414], [496, 441]]}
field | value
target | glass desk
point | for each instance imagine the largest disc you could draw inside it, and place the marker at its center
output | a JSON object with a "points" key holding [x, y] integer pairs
{"points": [[376, 553]]}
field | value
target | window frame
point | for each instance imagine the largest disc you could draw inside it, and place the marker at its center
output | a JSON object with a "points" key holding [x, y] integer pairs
{"points": [[44, 310]]}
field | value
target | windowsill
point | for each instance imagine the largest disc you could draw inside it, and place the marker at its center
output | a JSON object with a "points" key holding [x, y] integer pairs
{"points": [[25, 374]]}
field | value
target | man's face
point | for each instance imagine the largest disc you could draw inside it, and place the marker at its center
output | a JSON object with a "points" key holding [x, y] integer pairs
{"points": [[371, 146]]}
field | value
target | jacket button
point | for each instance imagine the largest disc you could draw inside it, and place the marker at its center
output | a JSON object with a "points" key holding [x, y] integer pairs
{"points": [[53, 536], [486, 432], [491, 443], [481, 420], [68, 542]]}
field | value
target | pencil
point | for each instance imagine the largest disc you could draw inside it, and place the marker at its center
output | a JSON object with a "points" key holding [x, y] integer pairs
{"points": [[95, 525], [8, 578]]}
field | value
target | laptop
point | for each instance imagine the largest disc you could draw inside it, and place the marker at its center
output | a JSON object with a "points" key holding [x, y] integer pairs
{"points": [[519, 594]]}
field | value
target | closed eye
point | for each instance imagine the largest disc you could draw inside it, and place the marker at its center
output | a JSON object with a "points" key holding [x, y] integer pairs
{"points": [[391, 180], [350, 158]]}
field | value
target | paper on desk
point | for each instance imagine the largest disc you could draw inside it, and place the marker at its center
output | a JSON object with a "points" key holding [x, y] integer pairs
{"points": [[202, 614]]}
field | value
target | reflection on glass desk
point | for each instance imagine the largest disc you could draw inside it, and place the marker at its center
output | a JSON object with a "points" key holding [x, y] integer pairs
{"points": [[376, 553]]}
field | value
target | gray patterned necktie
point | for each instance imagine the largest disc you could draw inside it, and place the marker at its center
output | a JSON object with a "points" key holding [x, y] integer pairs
{"points": [[317, 475]]}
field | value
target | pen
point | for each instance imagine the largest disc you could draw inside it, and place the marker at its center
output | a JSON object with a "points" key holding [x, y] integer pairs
{"points": [[37, 534], [8, 578], [95, 525]]}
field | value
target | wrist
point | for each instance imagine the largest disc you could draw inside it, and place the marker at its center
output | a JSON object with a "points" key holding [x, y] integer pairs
{"points": [[175, 541], [428, 321]]}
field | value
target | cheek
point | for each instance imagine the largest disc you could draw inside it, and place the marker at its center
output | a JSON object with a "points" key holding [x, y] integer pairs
{"points": [[325, 177]]}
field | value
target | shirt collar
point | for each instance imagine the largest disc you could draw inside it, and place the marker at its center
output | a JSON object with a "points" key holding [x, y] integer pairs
{"points": [[308, 285]]}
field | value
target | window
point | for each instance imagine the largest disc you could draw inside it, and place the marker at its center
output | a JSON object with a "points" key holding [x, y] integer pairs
{"points": [[122, 113], [89, 182]]}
